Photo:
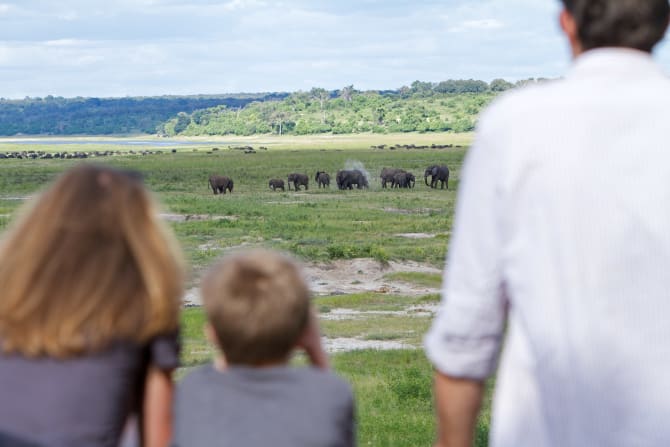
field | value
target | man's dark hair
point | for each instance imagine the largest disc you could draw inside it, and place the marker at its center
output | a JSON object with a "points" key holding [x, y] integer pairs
{"points": [[638, 24]]}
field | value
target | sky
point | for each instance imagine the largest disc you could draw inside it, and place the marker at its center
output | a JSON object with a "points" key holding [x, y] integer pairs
{"points": [[116, 48]]}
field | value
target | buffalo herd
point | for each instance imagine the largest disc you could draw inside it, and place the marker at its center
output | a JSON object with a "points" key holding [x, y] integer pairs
{"points": [[346, 179], [43, 155]]}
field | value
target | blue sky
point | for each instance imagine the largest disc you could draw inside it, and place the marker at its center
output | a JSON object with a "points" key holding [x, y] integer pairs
{"points": [[155, 47]]}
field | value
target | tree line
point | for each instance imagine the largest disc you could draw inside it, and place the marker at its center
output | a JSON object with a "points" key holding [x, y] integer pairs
{"points": [[451, 105], [106, 116]]}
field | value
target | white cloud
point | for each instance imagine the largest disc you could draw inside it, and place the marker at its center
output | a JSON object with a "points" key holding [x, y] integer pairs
{"points": [[68, 16], [64, 43], [147, 47], [234, 5], [477, 25]]}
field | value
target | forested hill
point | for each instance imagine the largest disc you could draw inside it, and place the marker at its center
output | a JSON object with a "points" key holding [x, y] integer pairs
{"points": [[452, 105], [105, 116]]}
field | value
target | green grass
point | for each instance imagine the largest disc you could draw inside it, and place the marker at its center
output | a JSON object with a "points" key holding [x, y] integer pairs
{"points": [[419, 278], [372, 301], [392, 387], [406, 329], [314, 224]]}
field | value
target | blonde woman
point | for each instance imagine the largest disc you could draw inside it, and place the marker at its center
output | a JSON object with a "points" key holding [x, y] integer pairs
{"points": [[90, 282]]}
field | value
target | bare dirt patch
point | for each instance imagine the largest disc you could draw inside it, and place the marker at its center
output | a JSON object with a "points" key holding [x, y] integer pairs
{"points": [[172, 217], [416, 235], [414, 211], [344, 277], [291, 202], [332, 345], [422, 311], [16, 198]]}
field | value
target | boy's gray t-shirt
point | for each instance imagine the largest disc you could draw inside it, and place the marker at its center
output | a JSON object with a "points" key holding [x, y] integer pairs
{"points": [[277, 406]]}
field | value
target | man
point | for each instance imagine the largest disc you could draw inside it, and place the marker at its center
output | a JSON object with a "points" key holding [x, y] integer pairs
{"points": [[562, 245]]}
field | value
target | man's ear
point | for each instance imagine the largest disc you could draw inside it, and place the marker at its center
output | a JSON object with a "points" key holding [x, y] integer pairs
{"points": [[569, 27]]}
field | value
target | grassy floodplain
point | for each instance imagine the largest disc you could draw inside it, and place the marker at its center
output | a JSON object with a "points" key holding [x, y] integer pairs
{"points": [[319, 226]]}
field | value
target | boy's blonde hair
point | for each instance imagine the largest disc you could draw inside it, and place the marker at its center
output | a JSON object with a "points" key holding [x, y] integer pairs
{"points": [[88, 263], [258, 305]]}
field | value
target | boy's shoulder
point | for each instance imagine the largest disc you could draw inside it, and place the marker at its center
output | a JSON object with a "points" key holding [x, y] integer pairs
{"points": [[307, 379], [199, 375], [325, 381]]}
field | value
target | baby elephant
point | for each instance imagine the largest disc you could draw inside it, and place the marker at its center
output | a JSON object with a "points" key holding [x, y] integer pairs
{"points": [[276, 183], [322, 179], [220, 183]]}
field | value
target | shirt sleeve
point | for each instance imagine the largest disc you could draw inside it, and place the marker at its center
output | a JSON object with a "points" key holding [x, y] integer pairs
{"points": [[164, 351], [465, 338]]}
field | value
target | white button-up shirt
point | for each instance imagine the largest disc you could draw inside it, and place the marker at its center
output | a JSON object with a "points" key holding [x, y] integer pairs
{"points": [[561, 245]]}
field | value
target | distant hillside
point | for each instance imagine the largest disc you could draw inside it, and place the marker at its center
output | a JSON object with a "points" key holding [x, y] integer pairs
{"points": [[105, 116], [451, 105]]}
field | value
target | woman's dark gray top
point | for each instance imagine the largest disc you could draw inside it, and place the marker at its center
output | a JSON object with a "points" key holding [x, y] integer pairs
{"points": [[83, 401]]}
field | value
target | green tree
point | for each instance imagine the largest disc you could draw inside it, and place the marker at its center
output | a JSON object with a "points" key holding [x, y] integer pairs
{"points": [[500, 85], [347, 92], [183, 120], [321, 95]]}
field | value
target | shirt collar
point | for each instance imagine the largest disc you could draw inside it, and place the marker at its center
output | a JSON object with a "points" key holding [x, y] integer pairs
{"points": [[614, 62]]}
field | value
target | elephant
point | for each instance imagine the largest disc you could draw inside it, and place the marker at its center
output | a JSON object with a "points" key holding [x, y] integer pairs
{"points": [[403, 180], [276, 183], [388, 174], [437, 173], [298, 180], [220, 183], [346, 179], [322, 179]]}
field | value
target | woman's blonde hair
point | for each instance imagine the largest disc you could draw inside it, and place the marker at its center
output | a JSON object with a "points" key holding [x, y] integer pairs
{"points": [[88, 263]]}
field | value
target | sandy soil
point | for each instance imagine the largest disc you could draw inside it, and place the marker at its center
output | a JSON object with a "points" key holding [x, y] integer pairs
{"points": [[170, 217], [345, 277], [332, 345], [427, 310]]}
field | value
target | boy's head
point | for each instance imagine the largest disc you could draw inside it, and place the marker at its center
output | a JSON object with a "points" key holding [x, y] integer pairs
{"points": [[258, 305]]}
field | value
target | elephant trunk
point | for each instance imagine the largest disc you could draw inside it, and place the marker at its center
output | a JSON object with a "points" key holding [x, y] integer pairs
{"points": [[425, 177]]}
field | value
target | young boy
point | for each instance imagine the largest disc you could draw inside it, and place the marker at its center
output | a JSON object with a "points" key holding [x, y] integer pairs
{"points": [[258, 309]]}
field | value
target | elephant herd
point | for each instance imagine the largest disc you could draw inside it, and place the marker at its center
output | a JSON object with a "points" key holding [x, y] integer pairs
{"points": [[399, 178], [345, 179]]}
